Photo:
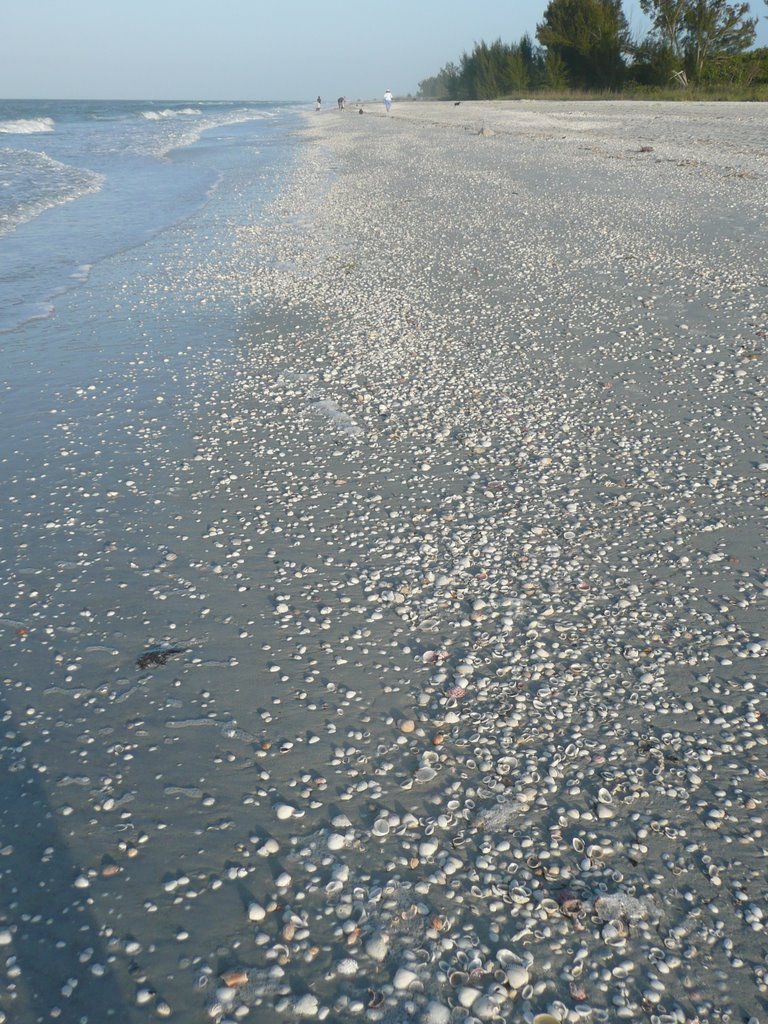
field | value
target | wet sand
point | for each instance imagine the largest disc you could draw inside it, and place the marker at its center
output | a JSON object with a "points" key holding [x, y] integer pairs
{"points": [[462, 540]]}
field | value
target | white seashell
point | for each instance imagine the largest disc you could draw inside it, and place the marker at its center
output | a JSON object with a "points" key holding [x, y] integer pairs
{"points": [[256, 912], [306, 1006], [347, 966], [506, 957], [404, 978], [377, 946], [428, 848], [436, 1013], [485, 1008], [380, 827], [283, 881], [613, 935], [519, 894], [425, 774], [335, 841], [517, 977], [467, 995], [605, 796], [285, 811]]}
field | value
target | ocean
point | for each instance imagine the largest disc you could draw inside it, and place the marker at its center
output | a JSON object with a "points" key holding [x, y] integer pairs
{"points": [[83, 180]]}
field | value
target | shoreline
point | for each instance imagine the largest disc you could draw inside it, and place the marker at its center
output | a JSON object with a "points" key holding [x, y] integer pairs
{"points": [[463, 548]]}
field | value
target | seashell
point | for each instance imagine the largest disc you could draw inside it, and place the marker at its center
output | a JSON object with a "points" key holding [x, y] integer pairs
{"points": [[457, 978], [425, 774], [549, 906], [546, 1018], [571, 907], [614, 934], [506, 957], [577, 844], [234, 979], [604, 796], [517, 977], [467, 995], [380, 827], [375, 998], [347, 966], [519, 894]]}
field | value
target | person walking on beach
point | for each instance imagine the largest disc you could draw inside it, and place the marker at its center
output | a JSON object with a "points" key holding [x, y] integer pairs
{"points": [[388, 100], [342, 101], [318, 103]]}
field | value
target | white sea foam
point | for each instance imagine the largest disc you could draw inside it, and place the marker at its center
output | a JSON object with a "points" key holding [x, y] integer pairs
{"points": [[82, 273], [33, 182], [23, 314], [160, 115], [27, 126]]}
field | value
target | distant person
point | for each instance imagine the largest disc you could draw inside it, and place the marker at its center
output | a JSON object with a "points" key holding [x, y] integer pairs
{"points": [[318, 103], [342, 101], [388, 100], [361, 111]]}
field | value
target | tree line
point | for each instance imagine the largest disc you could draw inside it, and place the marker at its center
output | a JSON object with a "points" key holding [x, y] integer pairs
{"points": [[587, 45]]}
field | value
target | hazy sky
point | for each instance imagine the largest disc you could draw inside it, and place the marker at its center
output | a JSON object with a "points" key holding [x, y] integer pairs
{"points": [[250, 49]]}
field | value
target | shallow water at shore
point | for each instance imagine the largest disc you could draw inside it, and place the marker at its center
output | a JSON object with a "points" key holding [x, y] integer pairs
{"points": [[433, 518]]}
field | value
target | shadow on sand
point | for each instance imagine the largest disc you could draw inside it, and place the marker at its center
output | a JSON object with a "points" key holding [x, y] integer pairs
{"points": [[54, 956]]}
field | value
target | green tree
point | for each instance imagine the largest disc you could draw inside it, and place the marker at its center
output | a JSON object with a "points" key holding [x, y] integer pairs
{"points": [[442, 86], [533, 57], [517, 77], [590, 37], [715, 28], [555, 72], [668, 22]]}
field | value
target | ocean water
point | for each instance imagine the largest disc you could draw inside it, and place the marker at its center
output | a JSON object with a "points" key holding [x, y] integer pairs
{"points": [[123, 297], [83, 180]]}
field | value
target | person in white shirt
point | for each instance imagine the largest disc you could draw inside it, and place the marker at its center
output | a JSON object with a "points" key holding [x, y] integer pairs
{"points": [[388, 100]]}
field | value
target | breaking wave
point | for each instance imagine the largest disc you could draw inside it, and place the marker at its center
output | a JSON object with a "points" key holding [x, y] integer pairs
{"points": [[27, 126]]}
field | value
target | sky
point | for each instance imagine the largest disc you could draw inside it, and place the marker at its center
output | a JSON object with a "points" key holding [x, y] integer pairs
{"points": [[251, 49]]}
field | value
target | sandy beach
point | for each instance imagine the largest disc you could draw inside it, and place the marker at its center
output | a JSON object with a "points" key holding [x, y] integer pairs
{"points": [[450, 578]]}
